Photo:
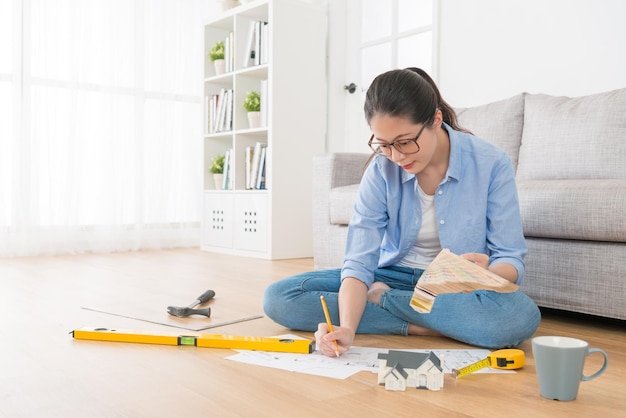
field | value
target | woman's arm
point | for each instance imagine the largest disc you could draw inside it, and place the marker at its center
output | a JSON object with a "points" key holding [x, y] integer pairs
{"points": [[352, 299], [504, 270]]}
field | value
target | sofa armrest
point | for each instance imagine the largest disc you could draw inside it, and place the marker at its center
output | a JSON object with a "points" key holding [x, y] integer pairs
{"points": [[330, 171]]}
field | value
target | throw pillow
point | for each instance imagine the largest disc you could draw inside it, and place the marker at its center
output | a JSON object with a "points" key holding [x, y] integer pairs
{"points": [[574, 138], [498, 122]]}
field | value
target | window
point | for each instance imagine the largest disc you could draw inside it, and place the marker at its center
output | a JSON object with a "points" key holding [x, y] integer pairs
{"points": [[395, 34], [381, 36], [101, 106]]}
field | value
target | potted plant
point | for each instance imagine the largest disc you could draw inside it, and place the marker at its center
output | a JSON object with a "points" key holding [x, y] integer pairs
{"points": [[252, 104], [217, 168], [229, 4], [216, 54]]}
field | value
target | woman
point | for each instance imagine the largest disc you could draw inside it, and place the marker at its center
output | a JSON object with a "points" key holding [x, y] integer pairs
{"points": [[430, 185]]}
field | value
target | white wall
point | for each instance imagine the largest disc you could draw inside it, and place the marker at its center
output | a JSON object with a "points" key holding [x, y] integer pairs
{"points": [[493, 49]]}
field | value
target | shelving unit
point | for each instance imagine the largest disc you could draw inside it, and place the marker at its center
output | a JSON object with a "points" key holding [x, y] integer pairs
{"points": [[273, 223]]}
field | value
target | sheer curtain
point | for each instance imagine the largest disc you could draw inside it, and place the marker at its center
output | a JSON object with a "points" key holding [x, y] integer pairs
{"points": [[100, 125]]}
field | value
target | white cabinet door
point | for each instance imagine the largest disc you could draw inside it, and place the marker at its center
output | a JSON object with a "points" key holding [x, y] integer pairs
{"points": [[251, 222], [217, 225]]}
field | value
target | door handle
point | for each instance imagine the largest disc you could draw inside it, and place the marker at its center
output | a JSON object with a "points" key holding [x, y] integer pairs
{"points": [[350, 87]]}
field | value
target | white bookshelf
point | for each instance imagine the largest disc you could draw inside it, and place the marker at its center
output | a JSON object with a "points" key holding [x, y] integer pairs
{"points": [[273, 223]]}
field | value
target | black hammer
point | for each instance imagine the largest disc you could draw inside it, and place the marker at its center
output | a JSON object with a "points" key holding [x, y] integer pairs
{"points": [[186, 311]]}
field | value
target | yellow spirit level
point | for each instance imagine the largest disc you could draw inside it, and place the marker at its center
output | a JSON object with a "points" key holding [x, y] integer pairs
{"points": [[285, 345], [510, 358]]}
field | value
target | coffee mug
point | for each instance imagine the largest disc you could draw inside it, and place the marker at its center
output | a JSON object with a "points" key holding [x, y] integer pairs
{"points": [[559, 362]]}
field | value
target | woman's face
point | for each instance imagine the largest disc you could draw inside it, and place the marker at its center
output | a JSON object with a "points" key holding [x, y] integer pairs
{"points": [[402, 132]]}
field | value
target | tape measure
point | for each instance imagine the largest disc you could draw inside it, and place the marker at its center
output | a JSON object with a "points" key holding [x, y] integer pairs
{"points": [[510, 358]]}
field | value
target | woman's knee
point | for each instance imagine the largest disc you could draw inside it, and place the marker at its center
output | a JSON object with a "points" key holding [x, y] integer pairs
{"points": [[294, 302], [514, 326], [486, 319], [281, 298], [274, 300]]}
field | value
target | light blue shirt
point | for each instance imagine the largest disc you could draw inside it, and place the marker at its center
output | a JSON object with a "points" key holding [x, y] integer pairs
{"points": [[476, 206]]}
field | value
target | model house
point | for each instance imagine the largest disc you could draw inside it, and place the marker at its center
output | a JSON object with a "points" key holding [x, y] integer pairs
{"points": [[398, 370]]}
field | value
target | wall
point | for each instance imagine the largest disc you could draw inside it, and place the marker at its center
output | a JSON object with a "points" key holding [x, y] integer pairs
{"points": [[492, 49]]}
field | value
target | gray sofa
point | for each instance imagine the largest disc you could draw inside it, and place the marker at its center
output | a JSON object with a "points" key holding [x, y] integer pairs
{"points": [[570, 160]]}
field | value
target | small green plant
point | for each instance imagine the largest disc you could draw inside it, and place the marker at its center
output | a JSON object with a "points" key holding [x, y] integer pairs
{"points": [[252, 102], [217, 52], [217, 165]]}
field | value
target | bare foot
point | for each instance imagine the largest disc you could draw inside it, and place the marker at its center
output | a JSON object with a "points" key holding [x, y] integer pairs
{"points": [[417, 330], [376, 289], [373, 295]]}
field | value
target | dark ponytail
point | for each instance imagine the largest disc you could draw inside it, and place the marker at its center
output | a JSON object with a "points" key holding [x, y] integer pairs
{"points": [[449, 115], [409, 93]]}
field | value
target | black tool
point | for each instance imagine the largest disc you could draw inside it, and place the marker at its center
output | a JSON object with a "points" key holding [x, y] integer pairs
{"points": [[186, 311]]}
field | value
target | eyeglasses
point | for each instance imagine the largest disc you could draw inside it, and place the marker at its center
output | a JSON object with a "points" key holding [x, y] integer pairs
{"points": [[405, 146]]}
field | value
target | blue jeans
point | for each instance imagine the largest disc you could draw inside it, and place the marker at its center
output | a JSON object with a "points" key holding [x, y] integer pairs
{"points": [[482, 318]]}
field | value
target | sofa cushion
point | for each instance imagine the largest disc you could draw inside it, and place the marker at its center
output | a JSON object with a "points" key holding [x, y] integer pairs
{"points": [[342, 204], [574, 209], [498, 122], [573, 138]]}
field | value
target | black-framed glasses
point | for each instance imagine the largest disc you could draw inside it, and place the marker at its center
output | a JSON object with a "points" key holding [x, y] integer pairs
{"points": [[405, 146]]}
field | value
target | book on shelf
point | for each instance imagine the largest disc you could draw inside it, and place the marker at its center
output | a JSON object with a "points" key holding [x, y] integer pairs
{"points": [[260, 179], [249, 52], [257, 44], [248, 163], [220, 112], [264, 58], [229, 43], [256, 164], [227, 172], [228, 117], [451, 273], [211, 113]]}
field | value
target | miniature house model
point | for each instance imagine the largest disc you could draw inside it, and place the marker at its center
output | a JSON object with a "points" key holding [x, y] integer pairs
{"points": [[398, 370]]}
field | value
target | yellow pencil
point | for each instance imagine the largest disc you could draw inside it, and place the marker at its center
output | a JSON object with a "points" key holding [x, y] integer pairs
{"points": [[330, 324]]}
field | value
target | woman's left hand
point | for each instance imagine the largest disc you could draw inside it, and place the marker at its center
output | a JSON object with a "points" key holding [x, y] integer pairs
{"points": [[478, 258]]}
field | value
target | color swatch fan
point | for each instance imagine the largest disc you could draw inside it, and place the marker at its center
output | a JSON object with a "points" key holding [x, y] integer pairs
{"points": [[450, 273]]}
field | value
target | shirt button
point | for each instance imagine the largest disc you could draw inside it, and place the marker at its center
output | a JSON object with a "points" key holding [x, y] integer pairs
{"points": [[440, 192], [442, 222]]}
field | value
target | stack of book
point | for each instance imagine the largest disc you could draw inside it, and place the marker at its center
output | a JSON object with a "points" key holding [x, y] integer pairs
{"points": [[255, 166], [219, 112], [256, 52]]}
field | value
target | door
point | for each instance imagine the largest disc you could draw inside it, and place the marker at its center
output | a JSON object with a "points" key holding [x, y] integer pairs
{"points": [[379, 36]]}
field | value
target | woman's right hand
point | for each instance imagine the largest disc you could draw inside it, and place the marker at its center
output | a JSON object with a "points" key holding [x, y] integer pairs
{"points": [[325, 341]]}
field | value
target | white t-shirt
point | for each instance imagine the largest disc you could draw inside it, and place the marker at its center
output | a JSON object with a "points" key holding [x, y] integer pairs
{"points": [[427, 245]]}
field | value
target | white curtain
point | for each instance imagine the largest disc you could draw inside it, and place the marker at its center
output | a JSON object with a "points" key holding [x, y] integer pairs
{"points": [[100, 125]]}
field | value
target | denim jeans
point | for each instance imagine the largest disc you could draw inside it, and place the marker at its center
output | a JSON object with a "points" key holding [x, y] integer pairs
{"points": [[482, 318]]}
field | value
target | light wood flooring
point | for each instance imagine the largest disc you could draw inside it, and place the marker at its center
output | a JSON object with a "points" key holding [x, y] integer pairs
{"points": [[44, 372]]}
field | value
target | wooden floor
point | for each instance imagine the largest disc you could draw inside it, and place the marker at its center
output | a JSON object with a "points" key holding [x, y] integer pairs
{"points": [[44, 372]]}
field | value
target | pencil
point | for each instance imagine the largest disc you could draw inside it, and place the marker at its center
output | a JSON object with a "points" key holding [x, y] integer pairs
{"points": [[330, 324]]}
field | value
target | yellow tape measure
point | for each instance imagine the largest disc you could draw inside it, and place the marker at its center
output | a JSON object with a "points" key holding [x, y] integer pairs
{"points": [[510, 358]]}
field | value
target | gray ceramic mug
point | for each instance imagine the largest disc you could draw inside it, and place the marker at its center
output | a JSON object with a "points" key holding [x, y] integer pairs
{"points": [[559, 362]]}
